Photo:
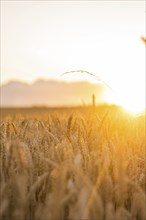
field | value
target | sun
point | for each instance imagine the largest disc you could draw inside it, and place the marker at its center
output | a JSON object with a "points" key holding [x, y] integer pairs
{"points": [[133, 108], [133, 103]]}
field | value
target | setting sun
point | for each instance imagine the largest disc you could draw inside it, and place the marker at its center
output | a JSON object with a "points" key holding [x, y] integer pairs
{"points": [[130, 96], [134, 106], [131, 102]]}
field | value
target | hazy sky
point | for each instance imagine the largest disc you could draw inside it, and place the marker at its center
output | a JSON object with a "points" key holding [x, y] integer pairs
{"points": [[42, 39]]}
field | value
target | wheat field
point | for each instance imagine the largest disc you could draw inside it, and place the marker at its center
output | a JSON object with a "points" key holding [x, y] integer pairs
{"points": [[72, 164]]}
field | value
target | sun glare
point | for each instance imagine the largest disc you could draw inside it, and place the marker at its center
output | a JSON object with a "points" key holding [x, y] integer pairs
{"points": [[134, 108], [132, 104]]}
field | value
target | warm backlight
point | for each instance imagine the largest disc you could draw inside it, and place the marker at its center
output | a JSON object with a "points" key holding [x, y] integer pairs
{"points": [[132, 102]]}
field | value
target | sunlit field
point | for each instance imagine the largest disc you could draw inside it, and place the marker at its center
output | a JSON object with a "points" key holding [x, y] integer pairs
{"points": [[72, 163], [72, 115]]}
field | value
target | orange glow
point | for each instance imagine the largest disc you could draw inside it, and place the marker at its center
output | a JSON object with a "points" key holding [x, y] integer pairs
{"points": [[135, 107], [131, 102]]}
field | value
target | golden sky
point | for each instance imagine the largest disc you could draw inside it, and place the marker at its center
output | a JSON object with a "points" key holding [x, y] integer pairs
{"points": [[42, 39]]}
